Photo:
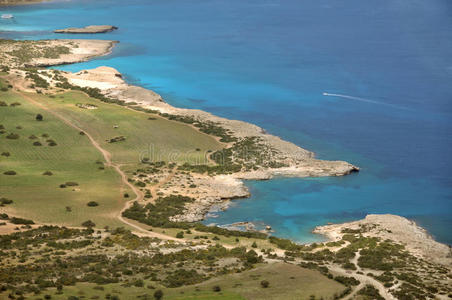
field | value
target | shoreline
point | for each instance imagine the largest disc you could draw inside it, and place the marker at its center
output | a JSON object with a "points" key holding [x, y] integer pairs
{"points": [[416, 239], [221, 189], [281, 158], [249, 152], [298, 161], [381, 256]]}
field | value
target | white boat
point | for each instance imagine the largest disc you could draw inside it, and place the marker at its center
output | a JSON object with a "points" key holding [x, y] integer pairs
{"points": [[7, 16]]}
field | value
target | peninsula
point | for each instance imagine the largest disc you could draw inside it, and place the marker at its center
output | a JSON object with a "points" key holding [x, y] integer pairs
{"points": [[103, 183]]}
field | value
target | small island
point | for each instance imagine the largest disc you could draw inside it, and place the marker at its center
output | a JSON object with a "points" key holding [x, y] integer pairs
{"points": [[88, 29]]}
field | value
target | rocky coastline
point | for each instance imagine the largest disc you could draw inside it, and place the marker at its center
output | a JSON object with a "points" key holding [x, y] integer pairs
{"points": [[298, 162], [356, 251], [218, 190], [282, 158], [397, 229], [46, 53]]}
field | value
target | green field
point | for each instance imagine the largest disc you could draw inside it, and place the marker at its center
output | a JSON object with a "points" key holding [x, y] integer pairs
{"points": [[39, 197], [158, 139], [74, 159], [287, 282]]}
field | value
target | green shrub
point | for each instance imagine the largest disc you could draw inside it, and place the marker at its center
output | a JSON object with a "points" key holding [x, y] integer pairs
{"points": [[216, 288], [5, 201], [12, 136], [11, 172], [117, 139], [182, 277], [92, 203], [88, 224], [265, 284], [16, 220], [39, 117], [158, 294], [348, 281], [372, 292], [284, 244]]}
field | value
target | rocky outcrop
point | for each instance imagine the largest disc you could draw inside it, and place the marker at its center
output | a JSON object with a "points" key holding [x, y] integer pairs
{"points": [[88, 29], [210, 191], [398, 229]]}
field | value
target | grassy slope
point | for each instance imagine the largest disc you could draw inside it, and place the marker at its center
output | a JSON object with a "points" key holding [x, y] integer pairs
{"points": [[38, 197], [283, 279], [158, 139], [286, 282]]}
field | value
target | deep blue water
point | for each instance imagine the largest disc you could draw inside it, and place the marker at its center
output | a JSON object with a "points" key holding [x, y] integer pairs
{"points": [[269, 63]]}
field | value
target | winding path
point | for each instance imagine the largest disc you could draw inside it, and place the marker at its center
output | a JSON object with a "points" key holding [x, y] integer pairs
{"points": [[364, 280], [107, 156], [140, 196]]}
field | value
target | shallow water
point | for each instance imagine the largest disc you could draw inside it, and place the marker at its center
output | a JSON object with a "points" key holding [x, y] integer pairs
{"points": [[386, 67]]}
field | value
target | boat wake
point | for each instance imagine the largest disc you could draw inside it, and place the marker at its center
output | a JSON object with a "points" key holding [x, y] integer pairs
{"points": [[361, 99]]}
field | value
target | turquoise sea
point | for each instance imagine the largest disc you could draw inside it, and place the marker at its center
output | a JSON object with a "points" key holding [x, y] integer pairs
{"points": [[386, 67]]}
